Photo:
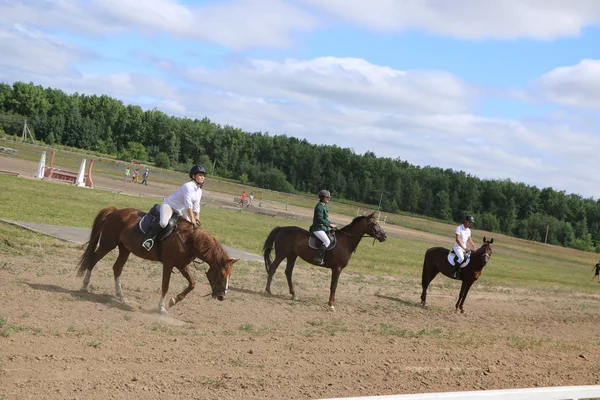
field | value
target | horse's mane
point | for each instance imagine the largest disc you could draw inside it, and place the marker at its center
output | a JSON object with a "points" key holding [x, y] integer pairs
{"points": [[355, 221], [207, 247]]}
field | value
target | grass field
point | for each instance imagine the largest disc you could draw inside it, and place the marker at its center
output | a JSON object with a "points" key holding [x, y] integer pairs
{"points": [[515, 263]]}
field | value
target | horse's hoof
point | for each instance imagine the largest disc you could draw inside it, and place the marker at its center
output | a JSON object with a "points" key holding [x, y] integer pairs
{"points": [[462, 311], [123, 299], [331, 308], [84, 289], [295, 297], [163, 311], [172, 302]]}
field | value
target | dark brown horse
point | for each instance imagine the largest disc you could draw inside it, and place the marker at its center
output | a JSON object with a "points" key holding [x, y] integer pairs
{"points": [[436, 260], [291, 242], [119, 228]]}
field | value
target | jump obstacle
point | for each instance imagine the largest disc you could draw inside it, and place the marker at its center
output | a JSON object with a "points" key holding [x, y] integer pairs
{"points": [[81, 179]]}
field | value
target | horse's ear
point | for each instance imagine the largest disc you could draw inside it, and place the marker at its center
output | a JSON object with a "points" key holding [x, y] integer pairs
{"points": [[484, 241], [234, 260], [491, 240]]}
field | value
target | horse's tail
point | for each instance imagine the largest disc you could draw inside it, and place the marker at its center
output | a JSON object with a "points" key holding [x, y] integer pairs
{"points": [[268, 246], [85, 261], [424, 275]]}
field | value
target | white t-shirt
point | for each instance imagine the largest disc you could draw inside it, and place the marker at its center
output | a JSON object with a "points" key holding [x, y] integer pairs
{"points": [[463, 234], [187, 196]]}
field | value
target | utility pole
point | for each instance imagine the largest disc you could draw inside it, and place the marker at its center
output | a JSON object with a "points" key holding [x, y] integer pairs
{"points": [[546, 238], [213, 169], [379, 206], [26, 133]]}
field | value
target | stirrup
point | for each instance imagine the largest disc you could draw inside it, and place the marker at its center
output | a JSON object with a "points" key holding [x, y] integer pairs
{"points": [[148, 244]]}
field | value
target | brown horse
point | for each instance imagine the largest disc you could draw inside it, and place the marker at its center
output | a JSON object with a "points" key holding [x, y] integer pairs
{"points": [[119, 228], [436, 260], [291, 241]]}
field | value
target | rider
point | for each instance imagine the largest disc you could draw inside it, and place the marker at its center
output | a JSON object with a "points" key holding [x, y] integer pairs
{"points": [[185, 201], [321, 226], [461, 243]]}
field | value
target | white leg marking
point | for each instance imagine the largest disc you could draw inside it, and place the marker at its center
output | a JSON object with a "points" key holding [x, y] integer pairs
{"points": [[161, 306], [86, 281]]}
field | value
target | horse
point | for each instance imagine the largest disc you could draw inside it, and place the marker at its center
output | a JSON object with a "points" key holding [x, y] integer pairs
{"points": [[114, 227], [436, 260], [291, 242]]}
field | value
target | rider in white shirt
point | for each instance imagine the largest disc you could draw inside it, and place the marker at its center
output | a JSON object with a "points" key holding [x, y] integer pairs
{"points": [[185, 201], [462, 242]]}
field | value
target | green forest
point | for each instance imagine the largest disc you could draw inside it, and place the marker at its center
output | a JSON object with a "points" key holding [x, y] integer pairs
{"points": [[106, 125]]}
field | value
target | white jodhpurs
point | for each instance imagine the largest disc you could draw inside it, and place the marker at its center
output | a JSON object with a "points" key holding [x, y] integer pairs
{"points": [[459, 252], [322, 235]]}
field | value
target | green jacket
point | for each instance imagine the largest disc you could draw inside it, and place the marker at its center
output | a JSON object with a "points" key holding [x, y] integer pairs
{"points": [[320, 218]]}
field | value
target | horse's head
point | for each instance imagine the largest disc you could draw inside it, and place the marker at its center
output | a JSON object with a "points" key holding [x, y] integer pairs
{"points": [[374, 229], [218, 277], [486, 251]]}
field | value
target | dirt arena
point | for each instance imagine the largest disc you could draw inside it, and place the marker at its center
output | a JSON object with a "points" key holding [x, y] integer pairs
{"points": [[59, 343]]}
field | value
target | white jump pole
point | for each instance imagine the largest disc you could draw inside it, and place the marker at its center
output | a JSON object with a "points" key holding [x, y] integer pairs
{"points": [[81, 175], [41, 167]]}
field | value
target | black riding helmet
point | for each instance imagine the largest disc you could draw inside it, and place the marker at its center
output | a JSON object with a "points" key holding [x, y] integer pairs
{"points": [[469, 218], [197, 169]]}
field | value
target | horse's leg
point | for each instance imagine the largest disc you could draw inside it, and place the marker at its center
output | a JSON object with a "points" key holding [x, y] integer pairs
{"points": [[187, 274], [335, 276], [464, 287], [118, 269], [271, 272], [426, 279], [166, 278], [289, 269], [467, 286], [99, 254]]}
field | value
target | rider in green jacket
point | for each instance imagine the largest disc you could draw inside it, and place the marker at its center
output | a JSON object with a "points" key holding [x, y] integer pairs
{"points": [[321, 225]]}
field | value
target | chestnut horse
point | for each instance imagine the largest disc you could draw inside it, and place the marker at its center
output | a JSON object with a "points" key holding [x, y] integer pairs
{"points": [[436, 260], [291, 241], [119, 228]]}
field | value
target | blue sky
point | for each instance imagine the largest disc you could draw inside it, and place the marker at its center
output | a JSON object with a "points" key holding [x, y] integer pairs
{"points": [[501, 90]]}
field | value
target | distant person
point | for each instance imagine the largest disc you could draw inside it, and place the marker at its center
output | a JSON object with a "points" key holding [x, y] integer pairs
{"points": [[321, 225], [136, 175], [243, 198], [597, 273], [251, 201], [462, 242], [127, 174], [146, 173], [185, 201]]}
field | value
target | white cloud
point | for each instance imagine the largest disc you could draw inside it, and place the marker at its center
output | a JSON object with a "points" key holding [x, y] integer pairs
{"points": [[575, 86], [469, 19], [236, 24], [35, 51], [351, 82]]}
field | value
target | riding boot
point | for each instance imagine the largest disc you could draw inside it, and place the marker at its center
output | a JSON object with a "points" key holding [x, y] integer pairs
{"points": [[320, 256], [150, 236], [456, 268]]}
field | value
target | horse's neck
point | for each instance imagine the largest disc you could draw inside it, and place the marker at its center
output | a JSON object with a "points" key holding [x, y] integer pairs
{"points": [[354, 235]]}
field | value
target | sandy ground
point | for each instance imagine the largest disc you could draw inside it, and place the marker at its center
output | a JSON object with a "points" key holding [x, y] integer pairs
{"points": [[59, 343]]}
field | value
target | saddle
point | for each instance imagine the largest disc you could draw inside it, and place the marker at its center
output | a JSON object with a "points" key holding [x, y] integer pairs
{"points": [[314, 242], [452, 255], [151, 221]]}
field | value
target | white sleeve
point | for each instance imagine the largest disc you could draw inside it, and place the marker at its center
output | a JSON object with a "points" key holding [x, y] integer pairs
{"points": [[457, 230], [188, 197], [196, 208]]}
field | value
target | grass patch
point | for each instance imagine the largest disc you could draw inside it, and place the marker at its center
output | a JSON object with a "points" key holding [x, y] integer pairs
{"points": [[390, 330]]}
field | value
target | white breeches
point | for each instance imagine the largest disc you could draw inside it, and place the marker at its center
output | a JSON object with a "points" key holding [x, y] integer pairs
{"points": [[459, 252], [322, 235]]}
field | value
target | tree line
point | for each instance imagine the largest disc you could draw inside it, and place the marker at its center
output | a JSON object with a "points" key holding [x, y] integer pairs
{"points": [[106, 125]]}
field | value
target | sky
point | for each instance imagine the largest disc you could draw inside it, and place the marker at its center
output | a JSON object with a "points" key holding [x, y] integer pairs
{"points": [[501, 90]]}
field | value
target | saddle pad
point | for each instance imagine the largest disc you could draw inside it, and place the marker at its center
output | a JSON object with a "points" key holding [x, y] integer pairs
{"points": [[146, 221], [451, 259]]}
